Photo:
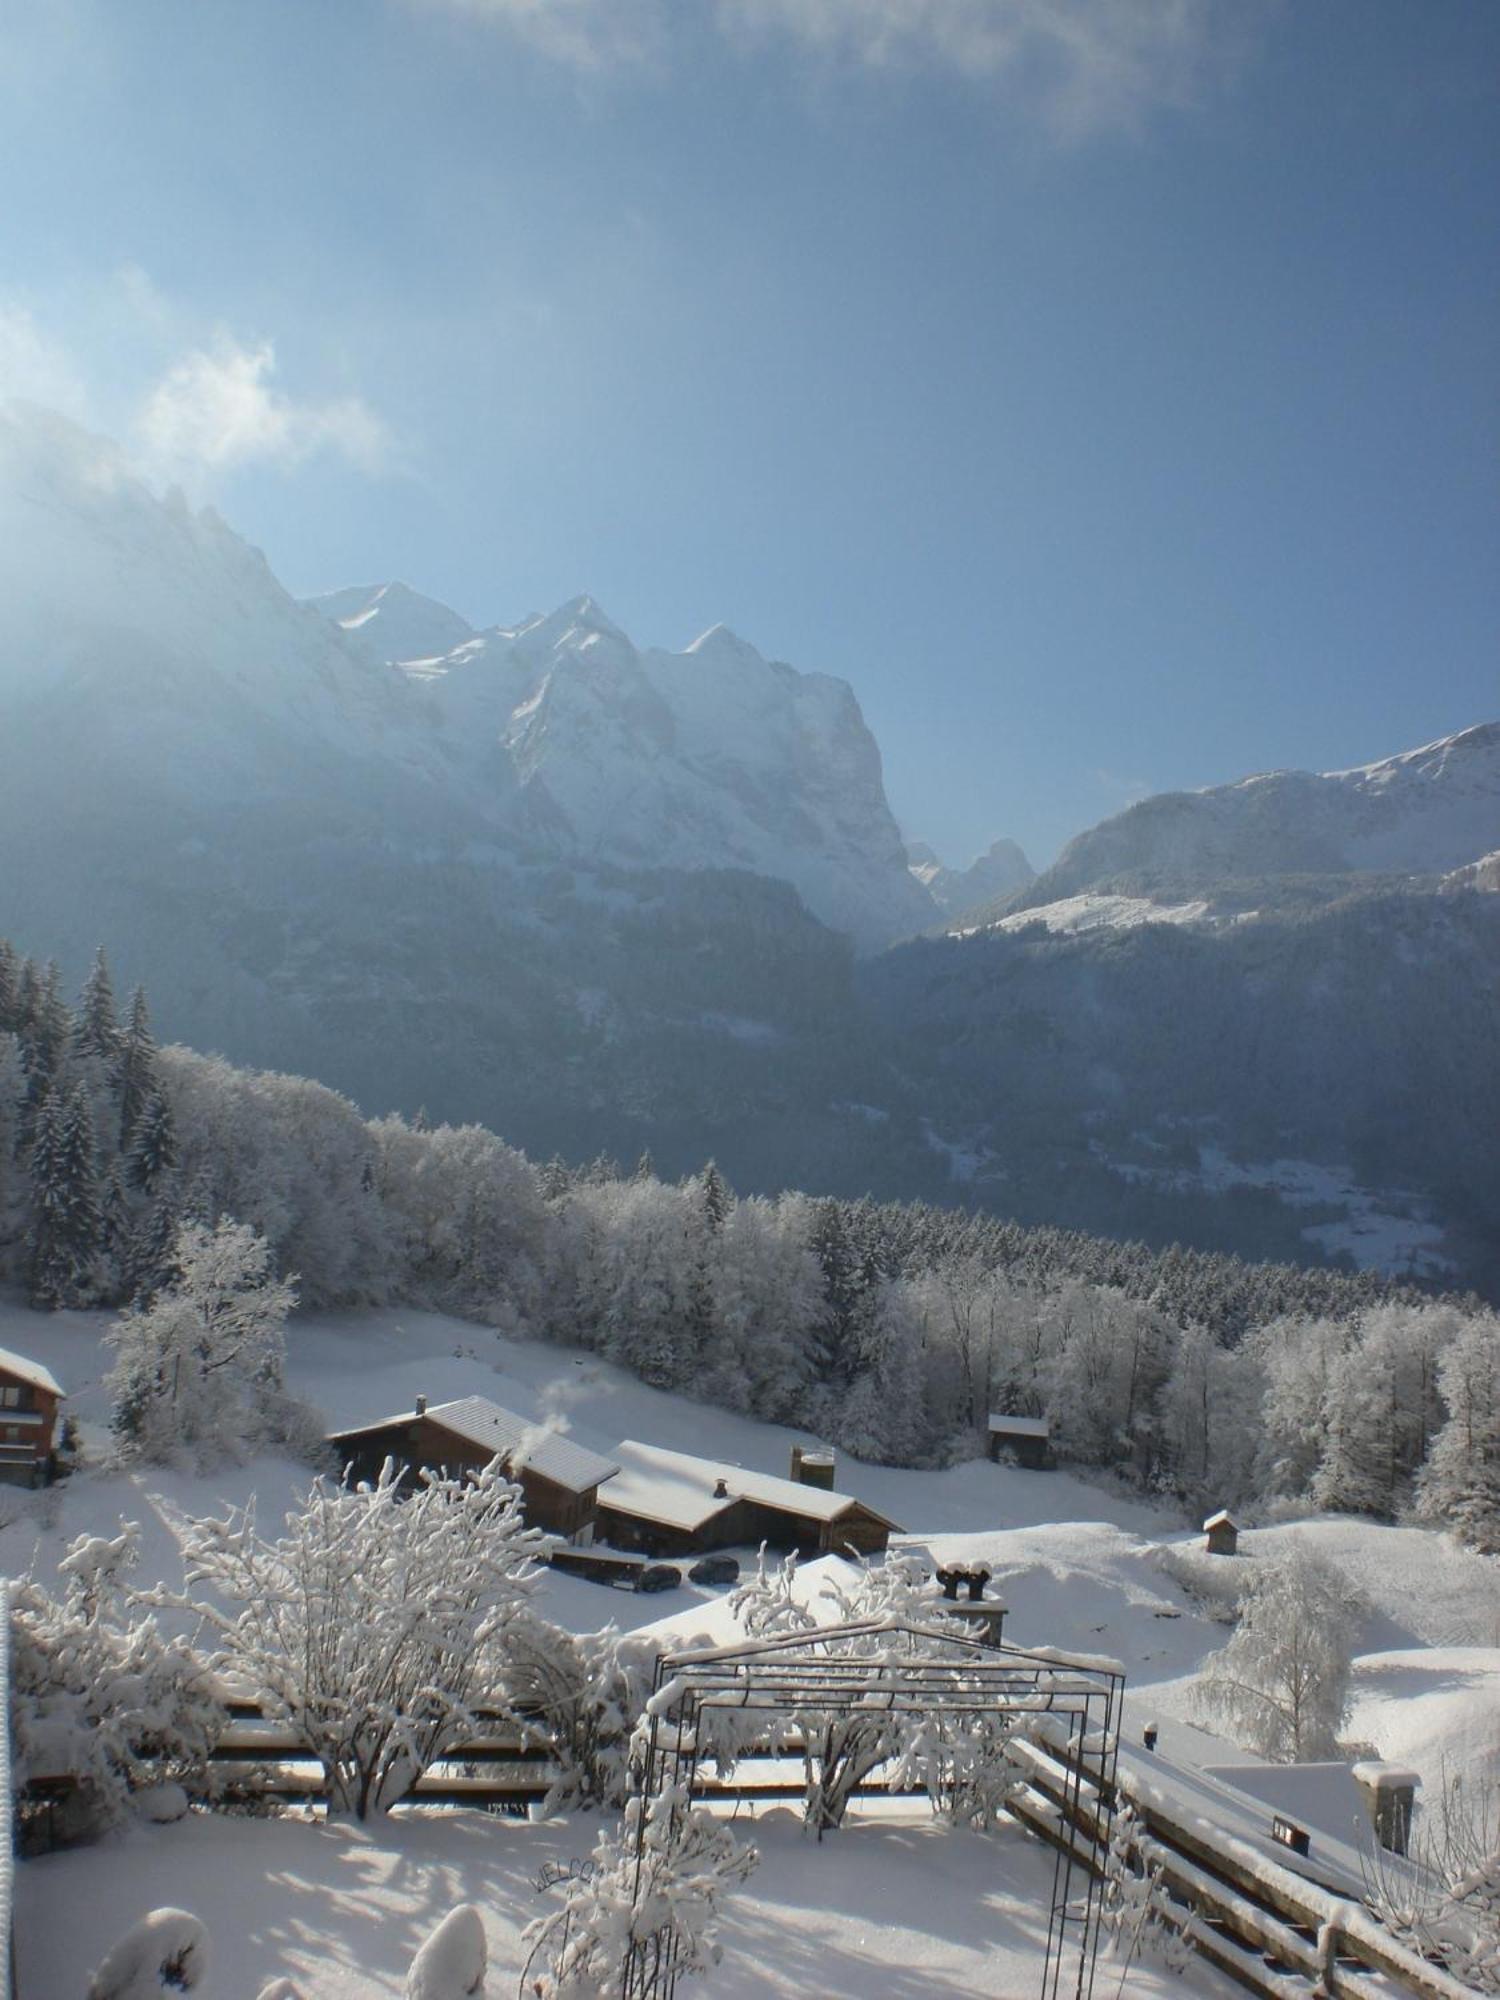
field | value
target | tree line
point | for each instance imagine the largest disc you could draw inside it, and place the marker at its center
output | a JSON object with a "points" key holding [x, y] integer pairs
{"points": [[891, 1329]]}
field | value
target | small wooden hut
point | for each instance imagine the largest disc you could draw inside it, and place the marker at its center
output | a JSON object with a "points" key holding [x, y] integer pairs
{"points": [[1223, 1535], [1027, 1440]]}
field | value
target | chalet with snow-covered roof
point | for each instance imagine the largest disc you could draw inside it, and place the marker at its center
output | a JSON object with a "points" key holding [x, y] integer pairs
{"points": [[1223, 1535], [29, 1396], [559, 1479], [1027, 1440], [669, 1503]]}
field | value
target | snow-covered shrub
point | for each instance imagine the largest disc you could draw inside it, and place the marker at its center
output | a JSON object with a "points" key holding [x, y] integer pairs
{"points": [[636, 1896], [588, 1689], [201, 1367], [962, 1768], [1443, 1897], [1282, 1682], [1216, 1584], [1138, 1914], [98, 1695], [377, 1621], [165, 1951], [453, 1962]]}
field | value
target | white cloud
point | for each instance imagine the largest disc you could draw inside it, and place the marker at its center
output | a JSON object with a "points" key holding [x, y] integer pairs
{"points": [[1084, 66], [217, 409], [34, 367]]}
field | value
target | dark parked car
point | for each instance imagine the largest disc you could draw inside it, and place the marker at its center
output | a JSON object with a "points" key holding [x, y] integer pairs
{"points": [[715, 1569], [659, 1576]]}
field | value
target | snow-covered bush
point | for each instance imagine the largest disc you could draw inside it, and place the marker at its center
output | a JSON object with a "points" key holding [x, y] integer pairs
{"points": [[588, 1689], [98, 1695], [1443, 1896], [376, 1622], [202, 1365], [962, 1766], [166, 1950], [639, 1892], [1282, 1682], [453, 1962], [1138, 1914], [1214, 1583]]}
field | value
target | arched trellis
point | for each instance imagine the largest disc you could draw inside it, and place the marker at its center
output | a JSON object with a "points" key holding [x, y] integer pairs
{"points": [[897, 1667]]}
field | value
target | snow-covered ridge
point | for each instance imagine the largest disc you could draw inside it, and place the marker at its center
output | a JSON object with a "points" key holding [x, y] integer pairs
{"points": [[1422, 812], [708, 757]]}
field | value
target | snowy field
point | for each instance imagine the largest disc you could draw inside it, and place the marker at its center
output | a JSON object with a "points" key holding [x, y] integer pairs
{"points": [[883, 1908]]}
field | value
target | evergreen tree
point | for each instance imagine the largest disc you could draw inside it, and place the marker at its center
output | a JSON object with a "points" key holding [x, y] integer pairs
{"points": [[136, 1074], [844, 1319], [150, 1262], [96, 1028], [153, 1149], [45, 1032], [10, 988], [717, 1196], [66, 1224]]}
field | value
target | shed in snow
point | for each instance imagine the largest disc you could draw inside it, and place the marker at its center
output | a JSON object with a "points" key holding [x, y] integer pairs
{"points": [[1223, 1534], [559, 1480], [1028, 1440], [29, 1396], [669, 1503]]}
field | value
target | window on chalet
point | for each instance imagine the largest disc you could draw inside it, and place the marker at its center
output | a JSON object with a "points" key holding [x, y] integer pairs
{"points": [[17, 1396]]}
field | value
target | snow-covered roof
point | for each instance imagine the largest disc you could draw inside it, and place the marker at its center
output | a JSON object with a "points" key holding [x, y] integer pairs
{"points": [[29, 1371], [677, 1489], [1223, 1519], [521, 1441], [1019, 1427]]}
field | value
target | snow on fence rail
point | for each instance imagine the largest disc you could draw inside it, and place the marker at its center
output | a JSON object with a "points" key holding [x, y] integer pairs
{"points": [[1269, 1928]]}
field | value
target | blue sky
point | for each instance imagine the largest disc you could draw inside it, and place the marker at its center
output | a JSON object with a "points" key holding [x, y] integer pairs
{"points": [[1110, 389]]}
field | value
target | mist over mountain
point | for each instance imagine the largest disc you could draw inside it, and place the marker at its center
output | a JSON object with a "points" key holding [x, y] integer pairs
{"points": [[607, 898]]}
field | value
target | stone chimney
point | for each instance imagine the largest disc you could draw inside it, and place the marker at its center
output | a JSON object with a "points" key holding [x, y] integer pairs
{"points": [[421, 1406], [721, 1488], [1390, 1795]]}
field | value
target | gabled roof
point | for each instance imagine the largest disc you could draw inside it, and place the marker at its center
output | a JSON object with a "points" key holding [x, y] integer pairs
{"points": [[1223, 1519], [1018, 1427], [30, 1371], [677, 1489], [522, 1442]]}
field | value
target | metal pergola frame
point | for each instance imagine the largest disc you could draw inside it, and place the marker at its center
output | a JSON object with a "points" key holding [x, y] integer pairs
{"points": [[881, 1667]]}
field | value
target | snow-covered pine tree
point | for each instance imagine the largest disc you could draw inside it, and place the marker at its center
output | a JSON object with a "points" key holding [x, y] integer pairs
{"points": [[1460, 1484], [152, 1150], [64, 1241], [97, 1035], [136, 1079]]}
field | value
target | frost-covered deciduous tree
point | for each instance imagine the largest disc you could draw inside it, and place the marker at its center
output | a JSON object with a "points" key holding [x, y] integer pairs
{"points": [[375, 1624], [1282, 1682], [202, 1365], [664, 1872], [840, 1750], [98, 1694], [1383, 1407], [1460, 1483]]}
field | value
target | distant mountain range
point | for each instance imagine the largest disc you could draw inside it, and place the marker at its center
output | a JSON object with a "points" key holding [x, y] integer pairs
{"points": [[606, 897]]}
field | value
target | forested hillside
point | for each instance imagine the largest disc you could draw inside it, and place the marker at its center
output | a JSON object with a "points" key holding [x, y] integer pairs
{"points": [[892, 1329]]}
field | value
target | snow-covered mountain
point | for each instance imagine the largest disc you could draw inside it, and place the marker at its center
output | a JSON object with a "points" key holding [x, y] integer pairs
{"points": [[1423, 812], [1002, 870], [713, 757]]}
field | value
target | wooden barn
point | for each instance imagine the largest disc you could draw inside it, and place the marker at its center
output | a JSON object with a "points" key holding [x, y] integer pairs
{"points": [[669, 1503], [1028, 1440], [559, 1480], [29, 1396]]}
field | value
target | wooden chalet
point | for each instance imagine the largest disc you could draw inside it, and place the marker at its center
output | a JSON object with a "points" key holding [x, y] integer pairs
{"points": [[29, 1396], [559, 1479], [669, 1503], [1028, 1440]]}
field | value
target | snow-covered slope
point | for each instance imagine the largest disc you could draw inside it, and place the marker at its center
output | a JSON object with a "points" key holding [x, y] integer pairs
{"points": [[1423, 812], [711, 757]]}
